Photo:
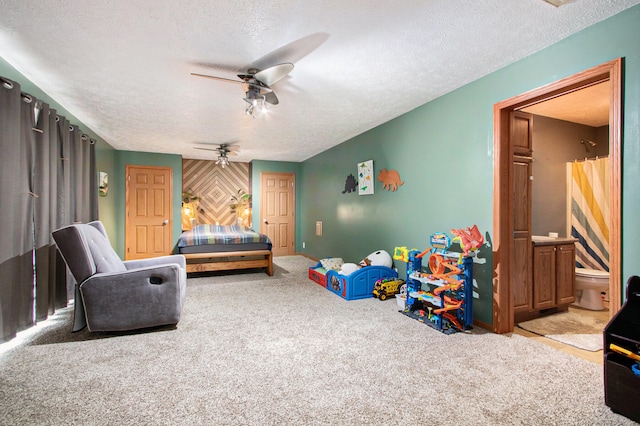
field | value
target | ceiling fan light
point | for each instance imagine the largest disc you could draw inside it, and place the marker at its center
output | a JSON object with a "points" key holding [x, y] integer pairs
{"points": [[558, 3], [223, 160]]}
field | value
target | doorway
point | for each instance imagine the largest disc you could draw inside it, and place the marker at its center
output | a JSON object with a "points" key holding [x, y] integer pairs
{"points": [[506, 240]]}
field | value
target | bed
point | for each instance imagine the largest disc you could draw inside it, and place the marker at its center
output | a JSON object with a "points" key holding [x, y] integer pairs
{"points": [[225, 247], [356, 285]]}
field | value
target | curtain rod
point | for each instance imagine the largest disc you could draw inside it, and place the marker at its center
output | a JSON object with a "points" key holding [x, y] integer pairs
{"points": [[8, 84], [592, 158]]}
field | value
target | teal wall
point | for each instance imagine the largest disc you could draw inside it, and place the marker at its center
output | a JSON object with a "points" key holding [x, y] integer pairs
{"points": [[257, 168], [108, 212], [133, 158], [105, 154], [444, 153]]}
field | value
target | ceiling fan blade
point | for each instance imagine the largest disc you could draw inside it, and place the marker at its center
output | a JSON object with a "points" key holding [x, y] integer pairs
{"points": [[206, 149], [271, 98], [228, 80], [273, 74], [229, 147], [231, 153]]}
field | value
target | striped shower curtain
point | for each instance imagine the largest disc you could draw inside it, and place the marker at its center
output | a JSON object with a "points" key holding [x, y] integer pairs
{"points": [[588, 211]]}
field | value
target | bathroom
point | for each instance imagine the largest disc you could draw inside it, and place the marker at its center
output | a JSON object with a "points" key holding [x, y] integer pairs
{"points": [[578, 139]]}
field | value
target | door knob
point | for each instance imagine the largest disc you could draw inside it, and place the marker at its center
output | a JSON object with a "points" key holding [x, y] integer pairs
{"points": [[265, 220], [166, 222]]}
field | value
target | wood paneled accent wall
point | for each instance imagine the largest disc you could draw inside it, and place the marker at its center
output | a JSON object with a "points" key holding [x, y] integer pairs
{"points": [[215, 186]]}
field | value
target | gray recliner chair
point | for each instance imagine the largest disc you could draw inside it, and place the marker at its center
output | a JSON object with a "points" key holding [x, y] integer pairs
{"points": [[112, 295]]}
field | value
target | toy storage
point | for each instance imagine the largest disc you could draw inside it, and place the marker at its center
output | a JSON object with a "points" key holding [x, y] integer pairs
{"points": [[432, 300], [442, 297], [622, 356]]}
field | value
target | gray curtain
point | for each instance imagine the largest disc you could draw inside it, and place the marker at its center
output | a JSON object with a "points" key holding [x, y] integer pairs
{"points": [[47, 180], [24, 225], [65, 206], [10, 105], [46, 187]]}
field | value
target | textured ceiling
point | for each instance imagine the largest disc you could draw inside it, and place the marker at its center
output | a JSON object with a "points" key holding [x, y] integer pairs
{"points": [[588, 106], [123, 67]]}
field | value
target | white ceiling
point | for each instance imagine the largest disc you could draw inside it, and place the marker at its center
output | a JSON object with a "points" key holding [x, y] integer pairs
{"points": [[589, 106], [123, 67]]}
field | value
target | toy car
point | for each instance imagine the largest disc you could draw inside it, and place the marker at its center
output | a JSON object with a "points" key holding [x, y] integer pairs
{"points": [[387, 287]]}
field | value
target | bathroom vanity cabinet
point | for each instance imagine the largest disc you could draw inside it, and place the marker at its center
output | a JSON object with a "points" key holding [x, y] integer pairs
{"points": [[553, 282]]}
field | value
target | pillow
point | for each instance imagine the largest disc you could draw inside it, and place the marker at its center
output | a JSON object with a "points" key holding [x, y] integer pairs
{"points": [[334, 263]]}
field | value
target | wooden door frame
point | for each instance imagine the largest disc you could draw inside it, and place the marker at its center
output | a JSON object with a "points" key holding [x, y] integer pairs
{"points": [[503, 321], [127, 194]]}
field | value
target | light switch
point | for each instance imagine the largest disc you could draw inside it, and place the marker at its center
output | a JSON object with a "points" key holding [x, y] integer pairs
{"points": [[319, 228]]}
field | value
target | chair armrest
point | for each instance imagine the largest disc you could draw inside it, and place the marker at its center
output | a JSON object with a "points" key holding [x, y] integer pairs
{"points": [[156, 261], [133, 299]]}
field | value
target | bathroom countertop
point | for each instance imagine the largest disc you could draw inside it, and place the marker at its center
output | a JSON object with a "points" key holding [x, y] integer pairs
{"points": [[539, 240]]}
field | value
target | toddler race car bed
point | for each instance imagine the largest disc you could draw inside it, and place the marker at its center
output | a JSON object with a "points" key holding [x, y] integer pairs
{"points": [[350, 286], [225, 247]]}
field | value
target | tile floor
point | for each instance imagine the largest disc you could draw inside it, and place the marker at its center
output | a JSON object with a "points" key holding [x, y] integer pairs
{"points": [[596, 357]]}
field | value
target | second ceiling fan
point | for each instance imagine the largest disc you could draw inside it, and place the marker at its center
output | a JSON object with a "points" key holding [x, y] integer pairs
{"points": [[256, 84], [223, 150]]}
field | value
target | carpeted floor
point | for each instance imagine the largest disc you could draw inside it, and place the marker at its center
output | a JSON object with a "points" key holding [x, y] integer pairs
{"points": [[258, 350], [569, 327]]}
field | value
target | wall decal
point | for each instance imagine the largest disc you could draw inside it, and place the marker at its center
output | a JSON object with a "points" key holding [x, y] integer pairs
{"points": [[365, 178], [390, 179], [350, 184]]}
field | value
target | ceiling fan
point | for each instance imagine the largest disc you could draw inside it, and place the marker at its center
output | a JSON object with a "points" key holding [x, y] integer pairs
{"points": [[256, 84], [223, 150]]}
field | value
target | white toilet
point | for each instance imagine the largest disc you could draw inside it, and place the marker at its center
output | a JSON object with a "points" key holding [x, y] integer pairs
{"points": [[590, 283]]}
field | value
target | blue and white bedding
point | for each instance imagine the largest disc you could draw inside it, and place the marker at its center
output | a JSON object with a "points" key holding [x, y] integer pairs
{"points": [[214, 238]]}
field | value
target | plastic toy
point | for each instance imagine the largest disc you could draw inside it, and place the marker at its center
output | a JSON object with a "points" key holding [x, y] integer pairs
{"points": [[446, 290], [401, 254], [470, 239], [439, 241], [377, 258], [387, 287], [354, 281], [623, 351]]}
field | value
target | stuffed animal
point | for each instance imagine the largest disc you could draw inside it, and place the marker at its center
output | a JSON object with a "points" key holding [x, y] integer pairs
{"points": [[377, 258], [348, 268]]}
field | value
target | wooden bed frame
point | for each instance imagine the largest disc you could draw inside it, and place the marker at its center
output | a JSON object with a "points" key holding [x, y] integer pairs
{"points": [[226, 261]]}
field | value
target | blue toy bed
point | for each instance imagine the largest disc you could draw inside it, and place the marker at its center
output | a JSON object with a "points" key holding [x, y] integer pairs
{"points": [[357, 285]]}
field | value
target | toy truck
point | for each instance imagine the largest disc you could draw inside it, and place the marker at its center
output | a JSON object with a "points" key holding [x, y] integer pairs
{"points": [[387, 287]]}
